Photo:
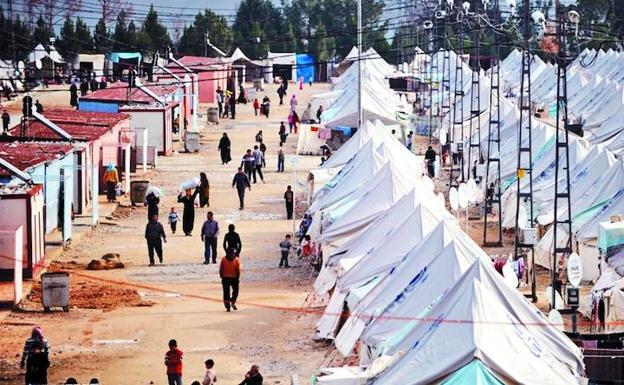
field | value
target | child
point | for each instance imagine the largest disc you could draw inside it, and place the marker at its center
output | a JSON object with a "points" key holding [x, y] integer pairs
{"points": [[211, 376], [256, 106], [173, 219], [285, 246], [306, 247]]}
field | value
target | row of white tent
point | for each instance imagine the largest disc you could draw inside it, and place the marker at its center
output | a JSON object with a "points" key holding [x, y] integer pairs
{"points": [[596, 172], [424, 302], [379, 102]]}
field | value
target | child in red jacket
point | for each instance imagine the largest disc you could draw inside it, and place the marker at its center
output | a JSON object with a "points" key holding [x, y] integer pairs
{"points": [[173, 362]]}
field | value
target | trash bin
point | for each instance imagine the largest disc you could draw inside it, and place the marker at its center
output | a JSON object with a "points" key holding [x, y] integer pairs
{"points": [[191, 141], [55, 290], [138, 191], [213, 115]]}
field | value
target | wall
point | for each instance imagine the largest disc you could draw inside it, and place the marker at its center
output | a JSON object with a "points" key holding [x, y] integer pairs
{"points": [[93, 106], [152, 121], [14, 213], [49, 176]]}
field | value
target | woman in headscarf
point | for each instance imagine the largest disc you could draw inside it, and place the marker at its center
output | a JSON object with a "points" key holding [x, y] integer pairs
{"points": [[204, 190], [224, 149], [152, 201], [188, 215], [111, 178], [36, 337]]}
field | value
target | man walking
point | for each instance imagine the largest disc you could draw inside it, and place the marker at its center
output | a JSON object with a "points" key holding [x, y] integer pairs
{"points": [[258, 156], [173, 362], [209, 233], [249, 164], [280, 158], [229, 271], [289, 198], [154, 231], [6, 120], [232, 240], [430, 157], [241, 181]]}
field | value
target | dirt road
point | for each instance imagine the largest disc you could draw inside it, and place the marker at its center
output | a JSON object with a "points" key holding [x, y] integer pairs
{"points": [[127, 345]]}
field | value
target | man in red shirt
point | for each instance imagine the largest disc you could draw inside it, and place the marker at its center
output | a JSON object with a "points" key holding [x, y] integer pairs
{"points": [[173, 362]]}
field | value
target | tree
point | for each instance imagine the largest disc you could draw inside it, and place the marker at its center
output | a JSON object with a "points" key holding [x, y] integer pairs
{"points": [[120, 35], [52, 10], [101, 38], [192, 41], [257, 19], [82, 37], [66, 43], [322, 45], [109, 9], [42, 33], [153, 35], [21, 37]]}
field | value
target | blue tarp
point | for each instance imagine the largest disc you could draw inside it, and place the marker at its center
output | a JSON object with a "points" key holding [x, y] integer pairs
{"points": [[305, 67], [93, 106], [474, 373], [116, 56]]}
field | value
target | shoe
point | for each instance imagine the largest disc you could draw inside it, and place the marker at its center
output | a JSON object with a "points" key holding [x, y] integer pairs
{"points": [[234, 306], [206, 262], [263, 181], [227, 309], [161, 261], [151, 264]]}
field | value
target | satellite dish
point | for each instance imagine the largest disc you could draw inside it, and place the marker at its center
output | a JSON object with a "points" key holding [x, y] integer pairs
{"points": [[574, 269], [441, 199], [555, 318], [472, 190], [21, 66], [559, 304], [462, 196], [38, 64], [510, 275], [428, 183], [453, 200]]}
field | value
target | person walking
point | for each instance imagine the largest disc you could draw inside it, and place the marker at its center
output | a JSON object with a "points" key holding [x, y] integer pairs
{"points": [[232, 240], [209, 233], [263, 149], [258, 157], [248, 164], [154, 231], [430, 157], [6, 121], [188, 214], [224, 149], [319, 112], [266, 104], [210, 378], [204, 190], [173, 220], [173, 362], [241, 181], [282, 133], [280, 159], [84, 88], [36, 337], [111, 178], [232, 103], [229, 272], [296, 121], [285, 246], [410, 140], [256, 106], [73, 95], [220, 101], [151, 201], [293, 103], [253, 376], [259, 136], [281, 91], [37, 365], [291, 122], [289, 199]]}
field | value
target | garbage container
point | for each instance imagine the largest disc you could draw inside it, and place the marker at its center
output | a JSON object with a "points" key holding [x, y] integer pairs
{"points": [[191, 141], [138, 191], [55, 290], [213, 115]]}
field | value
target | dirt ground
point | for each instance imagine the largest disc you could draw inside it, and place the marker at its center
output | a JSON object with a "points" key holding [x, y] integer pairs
{"points": [[121, 320]]}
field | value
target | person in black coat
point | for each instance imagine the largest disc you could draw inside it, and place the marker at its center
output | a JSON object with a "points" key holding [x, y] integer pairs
{"points": [[188, 215], [151, 201], [84, 88], [37, 366], [73, 92], [232, 240], [253, 376], [224, 149]]}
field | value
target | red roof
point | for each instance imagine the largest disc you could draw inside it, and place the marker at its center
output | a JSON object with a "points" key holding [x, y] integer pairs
{"points": [[195, 64], [81, 125], [117, 92], [27, 154]]}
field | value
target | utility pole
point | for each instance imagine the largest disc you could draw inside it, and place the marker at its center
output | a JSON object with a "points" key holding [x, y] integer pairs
{"points": [[524, 192], [562, 222], [493, 166], [474, 132], [359, 40], [457, 130]]}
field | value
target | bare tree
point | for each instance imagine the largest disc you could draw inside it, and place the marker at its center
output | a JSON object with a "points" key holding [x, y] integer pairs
{"points": [[52, 10]]}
